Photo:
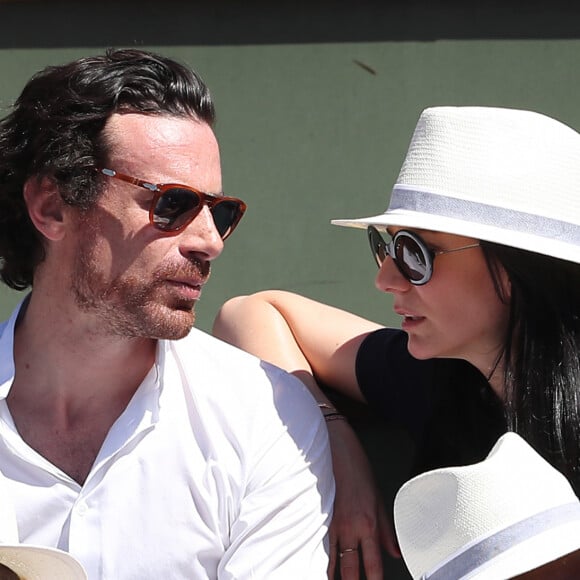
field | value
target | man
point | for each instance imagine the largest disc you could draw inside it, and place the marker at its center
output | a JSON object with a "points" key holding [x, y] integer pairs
{"points": [[143, 449]]}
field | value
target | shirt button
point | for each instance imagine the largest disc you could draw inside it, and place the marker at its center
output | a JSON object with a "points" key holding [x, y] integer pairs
{"points": [[82, 509]]}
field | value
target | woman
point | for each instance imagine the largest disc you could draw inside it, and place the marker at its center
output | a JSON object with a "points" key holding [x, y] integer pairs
{"points": [[484, 222]]}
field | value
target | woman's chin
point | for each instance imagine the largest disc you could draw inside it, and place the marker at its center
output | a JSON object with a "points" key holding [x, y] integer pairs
{"points": [[422, 351]]}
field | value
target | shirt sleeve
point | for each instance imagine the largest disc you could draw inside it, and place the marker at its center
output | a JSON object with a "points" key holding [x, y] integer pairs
{"points": [[280, 531]]}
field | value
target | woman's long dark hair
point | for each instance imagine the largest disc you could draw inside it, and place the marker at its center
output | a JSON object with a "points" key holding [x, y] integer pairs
{"points": [[542, 352]]}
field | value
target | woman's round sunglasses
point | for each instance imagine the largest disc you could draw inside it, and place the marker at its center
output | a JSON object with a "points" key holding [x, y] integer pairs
{"points": [[411, 255], [175, 206]]}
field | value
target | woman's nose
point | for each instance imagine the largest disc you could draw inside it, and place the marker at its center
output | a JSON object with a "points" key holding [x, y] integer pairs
{"points": [[390, 279]]}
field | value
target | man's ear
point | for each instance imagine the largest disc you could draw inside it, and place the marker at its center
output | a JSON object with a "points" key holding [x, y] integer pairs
{"points": [[45, 206]]}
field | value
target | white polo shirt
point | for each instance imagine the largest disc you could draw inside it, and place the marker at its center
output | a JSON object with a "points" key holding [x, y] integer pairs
{"points": [[219, 467]]}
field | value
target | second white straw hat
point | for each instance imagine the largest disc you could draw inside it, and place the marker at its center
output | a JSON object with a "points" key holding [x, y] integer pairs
{"points": [[504, 516]]}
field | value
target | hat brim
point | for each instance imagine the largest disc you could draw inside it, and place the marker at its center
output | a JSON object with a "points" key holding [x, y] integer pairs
{"points": [[524, 240], [41, 563]]}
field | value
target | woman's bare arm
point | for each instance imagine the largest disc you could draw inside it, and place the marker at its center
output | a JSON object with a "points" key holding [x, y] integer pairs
{"points": [[300, 335]]}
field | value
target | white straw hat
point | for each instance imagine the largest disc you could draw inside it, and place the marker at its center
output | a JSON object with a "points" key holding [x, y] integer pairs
{"points": [[32, 562], [501, 175], [509, 514]]}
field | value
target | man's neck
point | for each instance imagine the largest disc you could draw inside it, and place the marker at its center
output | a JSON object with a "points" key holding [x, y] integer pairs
{"points": [[71, 384]]}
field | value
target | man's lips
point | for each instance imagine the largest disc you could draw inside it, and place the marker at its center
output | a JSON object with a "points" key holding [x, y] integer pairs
{"points": [[190, 289], [188, 280]]}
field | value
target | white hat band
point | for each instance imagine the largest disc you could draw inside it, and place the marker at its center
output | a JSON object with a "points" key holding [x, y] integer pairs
{"points": [[478, 554], [407, 199]]}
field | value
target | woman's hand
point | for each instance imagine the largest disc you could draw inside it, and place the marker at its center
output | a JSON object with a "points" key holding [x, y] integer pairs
{"points": [[360, 526]]}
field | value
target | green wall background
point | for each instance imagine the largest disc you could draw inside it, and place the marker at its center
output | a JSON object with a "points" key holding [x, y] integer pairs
{"points": [[308, 134]]}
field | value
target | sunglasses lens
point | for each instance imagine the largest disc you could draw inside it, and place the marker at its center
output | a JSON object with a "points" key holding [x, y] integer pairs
{"points": [[175, 208], [412, 258], [178, 206], [378, 245], [226, 215]]}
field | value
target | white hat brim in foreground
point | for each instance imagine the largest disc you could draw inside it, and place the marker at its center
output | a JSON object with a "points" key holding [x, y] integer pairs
{"points": [[41, 563], [502, 175], [507, 515]]}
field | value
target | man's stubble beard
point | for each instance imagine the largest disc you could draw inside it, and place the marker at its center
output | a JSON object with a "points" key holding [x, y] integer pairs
{"points": [[130, 306]]}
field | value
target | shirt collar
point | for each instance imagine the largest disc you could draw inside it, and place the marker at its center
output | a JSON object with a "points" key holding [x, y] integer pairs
{"points": [[7, 347]]}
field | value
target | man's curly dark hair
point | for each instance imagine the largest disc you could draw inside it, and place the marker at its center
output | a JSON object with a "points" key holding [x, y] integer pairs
{"points": [[56, 127]]}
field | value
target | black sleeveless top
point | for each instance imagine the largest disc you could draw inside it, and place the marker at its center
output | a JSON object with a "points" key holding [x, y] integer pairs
{"points": [[446, 405]]}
